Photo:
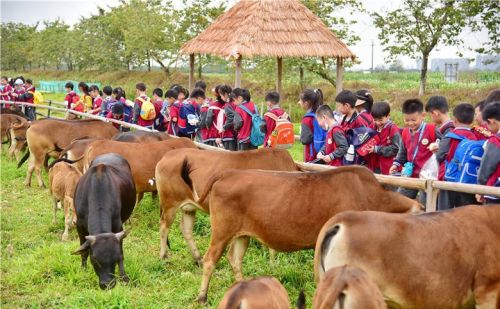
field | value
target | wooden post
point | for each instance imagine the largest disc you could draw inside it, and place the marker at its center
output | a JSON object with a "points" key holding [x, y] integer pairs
{"points": [[279, 74], [237, 79], [191, 71], [431, 196], [340, 74]]}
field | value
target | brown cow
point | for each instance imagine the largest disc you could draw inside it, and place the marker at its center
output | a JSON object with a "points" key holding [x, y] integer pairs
{"points": [[6, 120], [285, 210], [141, 137], [63, 178], [15, 137], [142, 158], [48, 137], [199, 166], [434, 260], [349, 288], [262, 292]]}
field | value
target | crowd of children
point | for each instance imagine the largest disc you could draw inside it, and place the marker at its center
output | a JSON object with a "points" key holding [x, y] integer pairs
{"points": [[20, 90], [356, 131]]}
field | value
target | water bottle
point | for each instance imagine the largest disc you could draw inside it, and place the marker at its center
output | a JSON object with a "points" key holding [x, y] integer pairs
{"points": [[349, 157]]}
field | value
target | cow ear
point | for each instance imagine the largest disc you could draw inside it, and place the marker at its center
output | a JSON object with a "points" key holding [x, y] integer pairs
{"points": [[121, 235], [83, 248], [91, 239]]}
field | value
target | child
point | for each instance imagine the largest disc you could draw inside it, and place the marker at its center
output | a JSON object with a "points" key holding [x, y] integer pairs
{"points": [[489, 171], [189, 113], [85, 98], [273, 107], [29, 90], [312, 136], [175, 108], [107, 100], [117, 113], [481, 128], [143, 117], [160, 123], [96, 99], [220, 117], [416, 138], [336, 144], [18, 92], [346, 102], [389, 138], [364, 105], [242, 121], [6, 91], [204, 127], [463, 117], [170, 98], [70, 94]]}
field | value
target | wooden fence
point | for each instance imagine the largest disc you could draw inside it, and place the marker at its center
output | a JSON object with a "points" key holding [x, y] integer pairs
{"points": [[430, 187]]}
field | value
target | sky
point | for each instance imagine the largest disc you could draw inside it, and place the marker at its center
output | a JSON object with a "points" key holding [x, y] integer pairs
{"points": [[32, 11]]}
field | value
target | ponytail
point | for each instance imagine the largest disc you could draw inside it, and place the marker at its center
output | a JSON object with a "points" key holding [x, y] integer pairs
{"points": [[313, 97]]}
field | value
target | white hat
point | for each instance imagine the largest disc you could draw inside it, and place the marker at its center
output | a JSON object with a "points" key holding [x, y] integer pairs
{"points": [[18, 82]]}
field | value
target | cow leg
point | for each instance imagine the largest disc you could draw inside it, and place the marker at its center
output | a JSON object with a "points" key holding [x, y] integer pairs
{"points": [[138, 198], [121, 268], [187, 223], [487, 296], [55, 210], [67, 219], [211, 258], [235, 255], [29, 172], [166, 220]]}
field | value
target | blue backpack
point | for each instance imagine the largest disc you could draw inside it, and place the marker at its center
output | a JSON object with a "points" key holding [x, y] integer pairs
{"points": [[256, 135], [464, 166], [319, 134], [191, 117]]}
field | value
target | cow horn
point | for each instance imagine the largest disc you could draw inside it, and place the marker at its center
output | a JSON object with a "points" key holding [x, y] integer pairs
{"points": [[16, 125], [83, 248], [91, 239], [121, 235]]}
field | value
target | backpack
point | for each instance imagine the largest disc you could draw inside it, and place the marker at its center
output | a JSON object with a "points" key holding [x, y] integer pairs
{"points": [[282, 135], [148, 111], [464, 166], [219, 123], [319, 134], [37, 97], [360, 138], [256, 135], [188, 119]]}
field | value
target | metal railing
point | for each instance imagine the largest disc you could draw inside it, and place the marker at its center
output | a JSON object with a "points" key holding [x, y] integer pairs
{"points": [[429, 186]]}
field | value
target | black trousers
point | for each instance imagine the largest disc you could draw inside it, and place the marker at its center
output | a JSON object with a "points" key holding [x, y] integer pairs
{"points": [[229, 145], [246, 146], [452, 199]]}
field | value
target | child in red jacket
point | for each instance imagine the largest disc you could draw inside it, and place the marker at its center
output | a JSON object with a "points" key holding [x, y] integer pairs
{"points": [[269, 124], [336, 145], [242, 122], [463, 117], [310, 100], [389, 138], [346, 104], [489, 171], [414, 150]]}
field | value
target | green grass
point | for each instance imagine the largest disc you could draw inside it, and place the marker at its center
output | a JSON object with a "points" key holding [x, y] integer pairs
{"points": [[39, 270]]}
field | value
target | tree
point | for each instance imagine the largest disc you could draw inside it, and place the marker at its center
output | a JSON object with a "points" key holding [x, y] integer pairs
{"points": [[17, 45], [419, 26]]}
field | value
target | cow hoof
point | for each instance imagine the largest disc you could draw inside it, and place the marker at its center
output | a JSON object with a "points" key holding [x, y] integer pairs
{"points": [[125, 279], [202, 299], [43, 186], [27, 185], [199, 262], [64, 237], [164, 256]]}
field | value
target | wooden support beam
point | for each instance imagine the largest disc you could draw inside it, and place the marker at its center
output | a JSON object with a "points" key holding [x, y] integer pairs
{"points": [[279, 74], [340, 75], [191, 72], [237, 78]]}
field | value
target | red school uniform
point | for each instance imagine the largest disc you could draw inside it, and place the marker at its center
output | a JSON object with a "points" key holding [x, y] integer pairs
{"points": [[214, 109], [331, 145], [309, 151], [482, 132], [19, 93], [270, 123], [69, 98], [367, 118], [444, 128], [32, 91], [494, 178], [142, 122], [7, 90], [244, 132], [97, 104], [411, 141], [356, 121], [386, 136], [173, 111]]}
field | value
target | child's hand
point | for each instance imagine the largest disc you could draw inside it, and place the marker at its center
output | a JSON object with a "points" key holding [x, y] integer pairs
{"points": [[479, 198], [393, 169], [327, 159], [370, 149], [433, 147], [319, 156]]}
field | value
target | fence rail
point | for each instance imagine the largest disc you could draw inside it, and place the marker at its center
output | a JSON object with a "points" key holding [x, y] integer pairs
{"points": [[429, 186]]}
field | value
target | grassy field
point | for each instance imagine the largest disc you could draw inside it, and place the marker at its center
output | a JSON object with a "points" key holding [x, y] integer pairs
{"points": [[38, 270]]}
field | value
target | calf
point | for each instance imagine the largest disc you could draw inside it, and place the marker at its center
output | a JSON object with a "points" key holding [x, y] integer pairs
{"points": [[141, 157], [104, 198], [285, 210], [447, 259], [6, 120], [63, 178], [141, 137], [14, 128], [262, 292], [199, 166], [349, 288]]}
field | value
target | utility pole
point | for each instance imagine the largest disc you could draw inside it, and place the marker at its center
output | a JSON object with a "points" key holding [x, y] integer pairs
{"points": [[372, 55]]}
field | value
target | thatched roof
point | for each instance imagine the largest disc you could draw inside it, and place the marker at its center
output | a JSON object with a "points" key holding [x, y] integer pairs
{"points": [[273, 28]]}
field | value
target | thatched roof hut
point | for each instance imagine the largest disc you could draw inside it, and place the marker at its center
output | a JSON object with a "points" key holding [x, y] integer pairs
{"points": [[273, 28]]}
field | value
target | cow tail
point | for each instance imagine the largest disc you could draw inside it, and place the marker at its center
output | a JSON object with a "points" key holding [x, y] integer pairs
{"points": [[330, 233], [24, 158], [185, 170], [301, 300], [64, 160], [208, 187]]}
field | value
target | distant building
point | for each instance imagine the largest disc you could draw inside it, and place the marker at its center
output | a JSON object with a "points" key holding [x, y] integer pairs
{"points": [[438, 64], [488, 62]]}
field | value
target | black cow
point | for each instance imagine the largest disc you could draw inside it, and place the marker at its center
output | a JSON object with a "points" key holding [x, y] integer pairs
{"points": [[104, 198]]}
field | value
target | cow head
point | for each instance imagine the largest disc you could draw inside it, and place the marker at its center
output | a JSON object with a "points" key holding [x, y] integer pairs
{"points": [[105, 253], [18, 130]]}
